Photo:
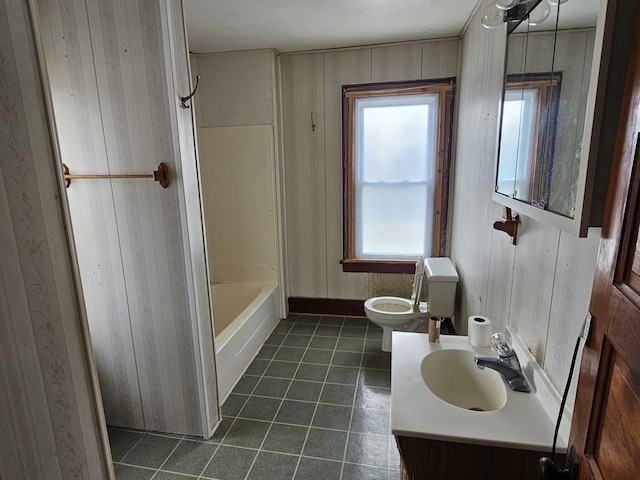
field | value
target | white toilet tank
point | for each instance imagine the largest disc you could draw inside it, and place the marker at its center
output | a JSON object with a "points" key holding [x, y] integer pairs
{"points": [[442, 280]]}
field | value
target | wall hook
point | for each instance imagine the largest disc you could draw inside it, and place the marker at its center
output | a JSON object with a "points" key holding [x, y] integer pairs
{"points": [[508, 224], [186, 99]]}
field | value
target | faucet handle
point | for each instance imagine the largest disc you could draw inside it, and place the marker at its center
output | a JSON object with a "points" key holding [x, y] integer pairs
{"points": [[501, 344]]}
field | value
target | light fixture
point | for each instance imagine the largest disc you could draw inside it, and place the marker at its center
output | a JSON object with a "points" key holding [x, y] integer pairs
{"points": [[495, 14], [492, 16], [539, 14], [507, 4]]}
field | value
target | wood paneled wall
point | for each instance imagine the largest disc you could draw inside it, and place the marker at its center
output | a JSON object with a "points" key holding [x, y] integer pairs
{"points": [[541, 287], [50, 420], [115, 70], [312, 96]]}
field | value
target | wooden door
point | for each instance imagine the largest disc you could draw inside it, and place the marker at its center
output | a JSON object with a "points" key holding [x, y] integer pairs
{"points": [[605, 432]]}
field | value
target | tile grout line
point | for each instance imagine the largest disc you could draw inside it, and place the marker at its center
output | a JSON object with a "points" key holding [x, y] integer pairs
{"points": [[315, 410], [341, 378], [167, 459], [306, 437], [235, 418], [134, 446], [283, 397], [353, 401]]}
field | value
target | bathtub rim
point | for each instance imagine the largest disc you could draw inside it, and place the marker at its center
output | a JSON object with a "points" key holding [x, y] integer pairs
{"points": [[221, 339]]}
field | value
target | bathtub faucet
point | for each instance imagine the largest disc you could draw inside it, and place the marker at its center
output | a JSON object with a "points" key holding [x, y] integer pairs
{"points": [[506, 363]]}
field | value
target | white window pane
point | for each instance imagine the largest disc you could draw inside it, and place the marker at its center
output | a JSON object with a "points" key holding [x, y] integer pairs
{"points": [[393, 221], [517, 143], [396, 138], [511, 114], [528, 143]]}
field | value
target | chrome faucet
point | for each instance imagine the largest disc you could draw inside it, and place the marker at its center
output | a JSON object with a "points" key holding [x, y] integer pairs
{"points": [[506, 363]]}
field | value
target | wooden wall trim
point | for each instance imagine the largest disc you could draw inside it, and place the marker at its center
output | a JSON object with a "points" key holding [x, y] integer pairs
{"points": [[326, 306]]}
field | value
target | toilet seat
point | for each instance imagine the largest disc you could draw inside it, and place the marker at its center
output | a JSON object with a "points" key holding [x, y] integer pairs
{"points": [[397, 313], [391, 309], [392, 313]]}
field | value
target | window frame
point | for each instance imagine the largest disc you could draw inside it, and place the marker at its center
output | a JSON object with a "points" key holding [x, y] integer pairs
{"points": [[350, 93], [547, 84]]}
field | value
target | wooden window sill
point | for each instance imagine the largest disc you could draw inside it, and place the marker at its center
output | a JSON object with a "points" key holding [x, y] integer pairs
{"points": [[378, 266]]}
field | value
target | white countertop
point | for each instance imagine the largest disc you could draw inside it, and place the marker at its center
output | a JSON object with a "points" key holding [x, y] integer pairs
{"points": [[527, 420]]}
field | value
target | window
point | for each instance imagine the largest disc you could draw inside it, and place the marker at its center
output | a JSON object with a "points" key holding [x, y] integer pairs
{"points": [[396, 149], [520, 114]]}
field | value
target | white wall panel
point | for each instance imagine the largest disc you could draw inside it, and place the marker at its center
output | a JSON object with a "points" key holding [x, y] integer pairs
{"points": [[533, 274], [51, 421], [113, 95], [305, 177], [473, 210], [440, 58], [184, 136], [340, 68], [235, 88], [93, 212], [313, 159], [541, 286], [396, 62], [570, 302]]}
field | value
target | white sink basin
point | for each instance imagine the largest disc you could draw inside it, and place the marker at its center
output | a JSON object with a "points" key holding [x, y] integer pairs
{"points": [[434, 386], [452, 376]]}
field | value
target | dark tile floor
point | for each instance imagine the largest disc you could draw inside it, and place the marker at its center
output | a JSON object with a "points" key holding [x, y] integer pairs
{"points": [[314, 404]]}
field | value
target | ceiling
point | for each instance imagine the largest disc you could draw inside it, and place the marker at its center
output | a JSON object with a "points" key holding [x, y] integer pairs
{"points": [[297, 25]]}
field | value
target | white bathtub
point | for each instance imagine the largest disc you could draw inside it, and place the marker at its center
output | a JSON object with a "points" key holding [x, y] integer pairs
{"points": [[244, 314]]}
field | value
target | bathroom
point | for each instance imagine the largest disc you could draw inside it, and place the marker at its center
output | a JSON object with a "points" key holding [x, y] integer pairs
{"points": [[547, 276]]}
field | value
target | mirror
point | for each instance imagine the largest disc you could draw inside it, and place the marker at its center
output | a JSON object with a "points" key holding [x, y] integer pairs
{"points": [[545, 98]]}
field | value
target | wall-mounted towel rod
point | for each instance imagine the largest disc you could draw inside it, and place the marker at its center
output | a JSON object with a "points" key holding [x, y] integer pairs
{"points": [[160, 175]]}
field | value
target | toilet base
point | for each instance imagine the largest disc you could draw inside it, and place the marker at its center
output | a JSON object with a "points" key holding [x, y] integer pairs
{"points": [[388, 331], [386, 338]]}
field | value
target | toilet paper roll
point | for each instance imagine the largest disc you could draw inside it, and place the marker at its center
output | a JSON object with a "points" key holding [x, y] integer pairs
{"points": [[479, 331]]}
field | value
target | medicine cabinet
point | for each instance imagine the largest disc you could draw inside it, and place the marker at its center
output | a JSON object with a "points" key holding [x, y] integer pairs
{"points": [[552, 106]]}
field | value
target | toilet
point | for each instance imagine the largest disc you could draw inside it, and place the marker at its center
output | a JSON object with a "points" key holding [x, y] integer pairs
{"points": [[396, 313]]}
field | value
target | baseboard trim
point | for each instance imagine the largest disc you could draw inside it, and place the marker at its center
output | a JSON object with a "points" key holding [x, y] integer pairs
{"points": [[326, 306]]}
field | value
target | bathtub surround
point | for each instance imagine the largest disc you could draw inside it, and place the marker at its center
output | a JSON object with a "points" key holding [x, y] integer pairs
{"points": [[237, 117], [313, 405], [237, 177], [115, 71]]}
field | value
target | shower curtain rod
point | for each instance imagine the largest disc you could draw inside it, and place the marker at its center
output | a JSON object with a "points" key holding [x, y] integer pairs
{"points": [[160, 175]]}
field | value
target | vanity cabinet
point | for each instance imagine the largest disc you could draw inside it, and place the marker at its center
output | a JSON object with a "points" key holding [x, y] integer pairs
{"points": [[426, 459]]}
